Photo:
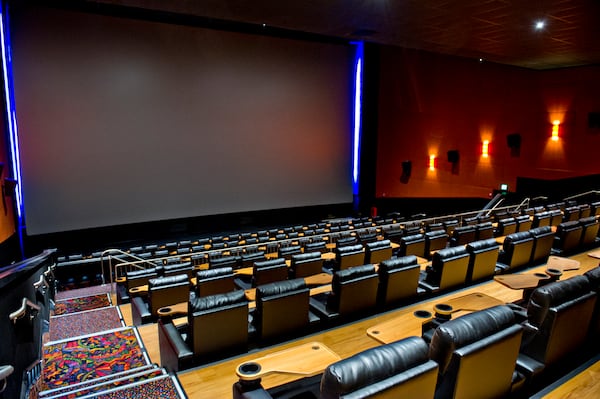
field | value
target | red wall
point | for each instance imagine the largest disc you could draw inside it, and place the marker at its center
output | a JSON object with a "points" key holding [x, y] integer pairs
{"points": [[430, 104]]}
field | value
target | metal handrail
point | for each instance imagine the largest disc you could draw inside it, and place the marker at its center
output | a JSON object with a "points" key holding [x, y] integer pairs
{"points": [[117, 251], [596, 192], [17, 314]]}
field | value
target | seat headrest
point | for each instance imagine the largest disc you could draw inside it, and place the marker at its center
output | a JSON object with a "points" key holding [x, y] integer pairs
{"points": [[290, 249], [170, 280], [315, 245], [588, 220], [267, 266], [436, 233], [553, 294], [506, 221], [349, 249], [177, 266], [212, 273], [538, 231], [484, 225], [568, 225], [482, 244], [254, 255], [515, 237], [371, 366], [269, 262], [306, 256], [352, 273], [464, 229], [223, 260], [397, 263], [378, 244], [593, 276], [413, 238], [198, 304], [451, 252], [456, 333], [141, 273], [280, 287]]}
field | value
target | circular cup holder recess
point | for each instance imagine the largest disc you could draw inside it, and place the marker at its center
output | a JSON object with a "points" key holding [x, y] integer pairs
{"points": [[553, 272], [540, 274], [165, 310], [443, 309], [422, 314], [249, 369]]}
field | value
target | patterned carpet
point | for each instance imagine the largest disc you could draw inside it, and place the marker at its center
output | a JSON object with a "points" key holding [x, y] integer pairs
{"points": [[163, 388], [72, 361], [79, 292], [84, 323], [81, 304]]}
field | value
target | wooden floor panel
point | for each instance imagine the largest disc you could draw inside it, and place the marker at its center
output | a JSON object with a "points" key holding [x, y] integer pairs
{"points": [[216, 380]]}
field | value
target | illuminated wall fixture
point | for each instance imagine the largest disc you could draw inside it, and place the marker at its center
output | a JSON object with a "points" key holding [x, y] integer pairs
{"points": [[432, 162], [357, 126], [555, 126], [485, 148]]}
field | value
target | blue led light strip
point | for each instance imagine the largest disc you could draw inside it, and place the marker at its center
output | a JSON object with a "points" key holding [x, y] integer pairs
{"points": [[358, 82], [11, 116]]}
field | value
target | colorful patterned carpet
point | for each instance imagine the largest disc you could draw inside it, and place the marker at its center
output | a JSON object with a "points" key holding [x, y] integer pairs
{"points": [[84, 323], [72, 361], [81, 304], [79, 292], [163, 387]]}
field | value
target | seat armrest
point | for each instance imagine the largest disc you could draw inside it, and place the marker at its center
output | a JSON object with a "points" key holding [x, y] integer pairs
{"points": [[175, 354], [250, 390], [140, 313], [428, 287], [519, 311], [529, 367]]}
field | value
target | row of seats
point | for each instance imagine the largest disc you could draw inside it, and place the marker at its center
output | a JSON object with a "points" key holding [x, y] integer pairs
{"points": [[497, 352]]}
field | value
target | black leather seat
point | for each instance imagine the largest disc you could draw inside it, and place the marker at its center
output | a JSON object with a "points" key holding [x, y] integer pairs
{"points": [[524, 223], [434, 241], [556, 217], [558, 320], [484, 231], [463, 235], [353, 292], [217, 325], [223, 261], [483, 256], [349, 256], [214, 281], [282, 309], [571, 214], [269, 271], [248, 259], [568, 236], [516, 251], [412, 245], [319, 245], [477, 354], [162, 291], [377, 251], [543, 239], [593, 277], [398, 280], [506, 226], [589, 231], [450, 225], [448, 268], [306, 264], [287, 252], [178, 268], [401, 369], [134, 278], [541, 219]]}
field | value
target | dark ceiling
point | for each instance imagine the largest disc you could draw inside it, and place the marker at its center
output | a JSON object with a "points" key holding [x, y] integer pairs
{"points": [[501, 31]]}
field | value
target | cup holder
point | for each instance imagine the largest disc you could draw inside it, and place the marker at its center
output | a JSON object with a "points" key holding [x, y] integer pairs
{"points": [[422, 314], [248, 370], [164, 310], [540, 275], [443, 311]]}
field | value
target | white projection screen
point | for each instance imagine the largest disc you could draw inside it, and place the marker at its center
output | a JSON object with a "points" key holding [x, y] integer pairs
{"points": [[125, 120]]}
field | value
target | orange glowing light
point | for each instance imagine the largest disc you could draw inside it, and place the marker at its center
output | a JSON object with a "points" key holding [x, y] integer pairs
{"points": [[432, 162], [485, 148], [555, 126]]}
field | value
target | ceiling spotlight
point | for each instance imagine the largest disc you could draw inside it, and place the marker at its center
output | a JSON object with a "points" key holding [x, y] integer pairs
{"points": [[539, 25]]}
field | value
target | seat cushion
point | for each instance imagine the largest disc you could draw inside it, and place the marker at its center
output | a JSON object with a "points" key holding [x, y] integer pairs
{"points": [[199, 304]]}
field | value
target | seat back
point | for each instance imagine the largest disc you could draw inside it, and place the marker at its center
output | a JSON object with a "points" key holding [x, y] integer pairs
{"points": [[434, 241], [571, 214], [349, 256], [269, 271], [568, 236], [450, 225], [524, 222], [561, 313], [398, 279], [593, 276], [412, 245], [483, 256], [541, 219], [401, 369], [354, 290], [306, 264], [556, 217], [506, 226], [378, 251], [463, 235], [543, 239], [136, 278], [477, 354], [449, 267], [589, 226], [165, 291], [248, 259], [516, 249], [214, 281], [223, 261], [281, 308], [178, 268], [320, 246], [287, 252], [218, 323], [484, 231]]}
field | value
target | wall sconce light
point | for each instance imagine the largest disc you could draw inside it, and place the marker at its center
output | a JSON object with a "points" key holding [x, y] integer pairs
{"points": [[432, 162], [555, 126], [485, 148]]}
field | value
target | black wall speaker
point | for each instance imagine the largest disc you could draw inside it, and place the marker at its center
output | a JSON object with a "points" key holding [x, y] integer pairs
{"points": [[453, 156], [513, 140], [406, 171]]}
